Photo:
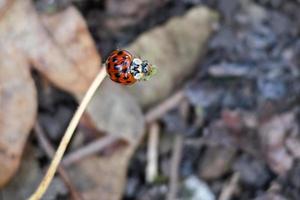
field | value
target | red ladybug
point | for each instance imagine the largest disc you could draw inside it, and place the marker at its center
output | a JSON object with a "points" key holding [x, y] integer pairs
{"points": [[118, 67], [123, 68]]}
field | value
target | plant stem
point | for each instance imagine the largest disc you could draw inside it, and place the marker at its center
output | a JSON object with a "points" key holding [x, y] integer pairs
{"points": [[152, 152], [67, 137], [49, 150]]}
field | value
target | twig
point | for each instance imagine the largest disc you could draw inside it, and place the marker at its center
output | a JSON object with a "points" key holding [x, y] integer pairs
{"points": [[67, 136], [49, 150], [229, 189], [177, 154], [164, 107], [175, 162], [152, 152], [88, 150]]}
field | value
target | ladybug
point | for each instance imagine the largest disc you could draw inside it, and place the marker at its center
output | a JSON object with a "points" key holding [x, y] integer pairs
{"points": [[123, 68]]}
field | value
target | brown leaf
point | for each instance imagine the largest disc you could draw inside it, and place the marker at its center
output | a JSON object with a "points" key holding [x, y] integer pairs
{"points": [[60, 46], [132, 12], [71, 34], [174, 48], [18, 108], [273, 134], [28, 177], [104, 176], [216, 162], [116, 112]]}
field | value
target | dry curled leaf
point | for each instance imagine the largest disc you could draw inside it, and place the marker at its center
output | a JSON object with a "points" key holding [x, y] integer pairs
{"points": [[18, 108], [28, 177], [59, 46], [273, 135], [116, 112], [132, 12], [71, 34], [103, 176], [218, 159], [175, 48]]}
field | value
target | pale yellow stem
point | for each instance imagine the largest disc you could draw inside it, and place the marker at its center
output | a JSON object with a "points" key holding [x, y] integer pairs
{"points": [[67, 137]]}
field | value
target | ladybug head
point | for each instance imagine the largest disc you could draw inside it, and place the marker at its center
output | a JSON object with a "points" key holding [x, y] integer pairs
{"points": [[141, 69]]}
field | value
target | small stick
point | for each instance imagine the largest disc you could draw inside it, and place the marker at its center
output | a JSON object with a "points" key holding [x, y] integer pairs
{"points": [[47, 147], [228, 190], [152, 152], [164, 107], [177, 154], [175, 162], [88, 150], [67, 136]]}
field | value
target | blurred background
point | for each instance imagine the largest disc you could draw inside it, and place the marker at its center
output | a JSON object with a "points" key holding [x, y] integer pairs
{"points": [[219, 120]]}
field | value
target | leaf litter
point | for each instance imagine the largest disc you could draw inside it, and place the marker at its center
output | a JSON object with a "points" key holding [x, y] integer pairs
{"points": [[249, 72]]}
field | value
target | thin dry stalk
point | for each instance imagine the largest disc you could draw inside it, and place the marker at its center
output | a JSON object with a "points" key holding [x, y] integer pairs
{"points": [[177, 154], [175, 162], [49, 150], [229, 189], [67, 136], [152, 152]]}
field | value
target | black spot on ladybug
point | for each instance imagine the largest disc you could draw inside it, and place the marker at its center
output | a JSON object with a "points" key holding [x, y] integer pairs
{"points": [[124, 70], [118, 75], [114, 59], [116, 67], [120, 53]]}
